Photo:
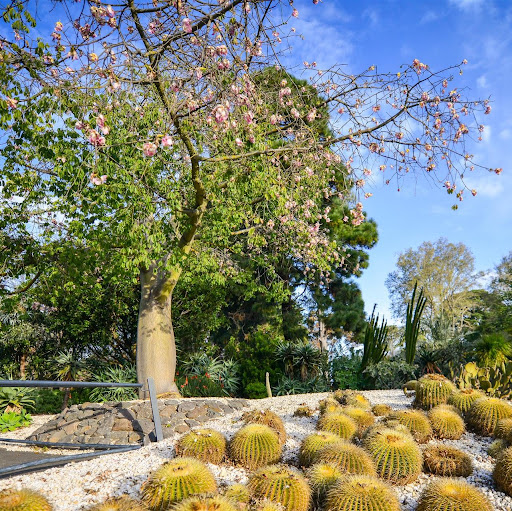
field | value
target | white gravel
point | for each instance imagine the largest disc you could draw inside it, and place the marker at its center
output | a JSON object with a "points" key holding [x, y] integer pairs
{"points": [[79, 485]]}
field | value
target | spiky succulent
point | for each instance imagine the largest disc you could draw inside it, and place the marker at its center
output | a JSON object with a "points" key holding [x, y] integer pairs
{"points": [[396, 455], [281, 484], [206, 503], [433, 390], [453, 495], [348, 457], [255, 445], [502, 474], [204, 444], [176, 480], [382, 410], [496, 447], [503, 428], [339, 424], [268, 418], [485, 413], [463, 399], [361, 493], [268, 505], [23, 500], [238, 493], [446, 461], [329, 404], [352, 398], [416, 422], [321, 477], [446, 423], [363, 418], [312, 444], [303, 411], [123, 503]]}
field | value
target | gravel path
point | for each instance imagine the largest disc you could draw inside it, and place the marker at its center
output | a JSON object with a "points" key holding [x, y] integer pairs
{"points": [[77, 486]]}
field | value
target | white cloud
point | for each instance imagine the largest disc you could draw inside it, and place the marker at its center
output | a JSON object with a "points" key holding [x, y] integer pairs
{"points": [[505, 134], [467, 4], [488, 186], [482, 82], [429, 16]]}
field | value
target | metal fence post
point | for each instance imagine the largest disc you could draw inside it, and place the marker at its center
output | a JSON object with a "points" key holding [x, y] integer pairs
{"points": [[154, 407]]}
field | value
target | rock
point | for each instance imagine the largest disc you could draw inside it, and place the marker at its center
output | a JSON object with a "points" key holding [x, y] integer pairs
{"points": [[69, 429], [168, 411], [122, 425], [196, 412], [186, 407], [57, 436], [143, 425], [181, 428], [192, 423]]}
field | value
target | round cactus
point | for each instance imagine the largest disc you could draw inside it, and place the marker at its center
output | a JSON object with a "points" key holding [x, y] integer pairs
{"points": [[352, 398], [463, 399], [206, 503], [416, 422], [267, 418], [446, 423], [329, 404], [496, 447], [485, 413], [321, 477], [503, 428], [123, 503], [238, 493], [348, 457], [312, 444], [339, 424], [361, 493], [255, 445], [204, 444], [281, 484], [382, 410], [363, 418], [23, 500], [268, 505], [452, 494], [396, 455], [446, 461], [433, 390], [503, 471], [303, 411], [175, 481]]}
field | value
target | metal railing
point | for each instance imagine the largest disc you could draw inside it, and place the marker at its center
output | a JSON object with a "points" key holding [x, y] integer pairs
{"points": [[105, 448]]}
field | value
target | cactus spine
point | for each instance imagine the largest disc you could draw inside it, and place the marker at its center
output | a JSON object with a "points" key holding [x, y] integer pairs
{"points": [[447, 461], [23, 500], [363, 418], [238, 493], [303, 411], [496, 447], [416, 422], [361, 493], [463, 399], [452, 494], [339, 424], [446, 423], [205, 503], [267, 418], [123, 503], [433, 390], [503, 428], [255, 445], [321, 478], [175, 481], [485, 413], [312, 444], [328, 405], [351, 398], [204, 444], [502, 474], [382, 410], [283, 485], [348, 457]]}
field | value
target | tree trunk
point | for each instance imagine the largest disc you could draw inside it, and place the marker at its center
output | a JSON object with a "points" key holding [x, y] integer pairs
{"points": [[23, 366], [322, 337], [156, 350]]}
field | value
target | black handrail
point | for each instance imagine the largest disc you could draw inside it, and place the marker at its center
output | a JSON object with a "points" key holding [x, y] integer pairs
{"points": [[65, 384]]}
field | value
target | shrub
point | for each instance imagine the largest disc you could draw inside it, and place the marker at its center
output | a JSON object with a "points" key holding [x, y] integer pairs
{"points": [[119, 374], [10, 421], [345, 372], [256, 390], [389, 374]]}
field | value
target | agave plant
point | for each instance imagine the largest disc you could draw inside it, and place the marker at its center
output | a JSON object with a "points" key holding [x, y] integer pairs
{"points": [[16, 399], [122, 374]]}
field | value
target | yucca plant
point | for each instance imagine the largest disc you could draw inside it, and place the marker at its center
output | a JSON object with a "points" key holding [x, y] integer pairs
{"points": [[415, 310], [375, 345]]}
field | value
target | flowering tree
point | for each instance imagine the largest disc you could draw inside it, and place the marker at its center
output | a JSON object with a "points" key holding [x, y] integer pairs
{"points": [[148, 130]]}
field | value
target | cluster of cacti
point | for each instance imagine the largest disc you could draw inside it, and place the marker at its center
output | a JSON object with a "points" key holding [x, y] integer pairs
{"points": [[206, 503], [415, 421], [446, 423], [351, 398], [463, 399], [432, 390], [204, 444], [348, 457], [361, 493], [496, 447], [238, 493], [255, 445], [123, 503], [382, 410], [23, 500], [312, 444], [453, 495], [268, 418], [494, 381], [321, 478], [175, 481], [303, 411], [397, 456], [339, 424], [503, 471], [281, 484], [329, 404], [362, 417], [446, 461], [485, 413]]}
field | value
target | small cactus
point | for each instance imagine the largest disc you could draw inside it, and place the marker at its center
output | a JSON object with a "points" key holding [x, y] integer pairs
{"points": [[339, 424], [281, 484], [123, 503], [327, 405], [446, 423], [502, 474], [352, 398], [206, 503], [303, 411], [361, 493], [238, 493], [503, 428], [446, 461], [175, 481], [268, 505], [453, 495], [485, 413], [362, 417], [416, 422], [396, 455], [204, 444], [496, 447], [321, 478], [348, 457], [268, 418], [312, 444], [463, 399], [23, 500], [433, 390], [382, 410]]}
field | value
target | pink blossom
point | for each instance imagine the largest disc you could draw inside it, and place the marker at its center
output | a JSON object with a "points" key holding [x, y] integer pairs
{"points": [[11, 103], [249, 117], [100, 120], [399, 135], [311, 115], [167, 141], [270, 224], [224, 64], [239, 142], [58, 26], [295, 113], [97, 180], [221, 50], [498, 171], [96, 139], [473, 192], [79, 125], [273, 119], [93, 57], [488, 110], [295, 13], [221, 114], [149, 149], [187, 25]]}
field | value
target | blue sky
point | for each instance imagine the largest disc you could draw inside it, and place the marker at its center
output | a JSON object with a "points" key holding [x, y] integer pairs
{"points": [[389, 33]]}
